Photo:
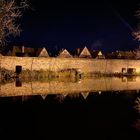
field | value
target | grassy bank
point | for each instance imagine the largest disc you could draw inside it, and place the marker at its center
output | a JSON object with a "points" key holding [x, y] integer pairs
{"points": [[62, 75], [6, 76], [41, 75]]}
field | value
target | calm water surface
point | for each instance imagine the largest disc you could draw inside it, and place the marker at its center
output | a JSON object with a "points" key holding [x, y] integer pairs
{"points": [[104, 114]]}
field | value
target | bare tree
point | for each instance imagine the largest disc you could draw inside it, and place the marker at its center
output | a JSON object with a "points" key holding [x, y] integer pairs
{"points": [[136, 34], [10, 11]]}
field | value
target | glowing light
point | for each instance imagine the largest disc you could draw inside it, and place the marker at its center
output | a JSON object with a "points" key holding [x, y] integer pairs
{"points": [[138, 71], [43, 97], [85, 95]]}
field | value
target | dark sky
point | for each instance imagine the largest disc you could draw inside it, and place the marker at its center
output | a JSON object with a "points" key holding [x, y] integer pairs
{"points": [[102, 24]]}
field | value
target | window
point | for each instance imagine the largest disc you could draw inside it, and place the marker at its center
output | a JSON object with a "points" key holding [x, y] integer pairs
{"points": [[18, 69]]}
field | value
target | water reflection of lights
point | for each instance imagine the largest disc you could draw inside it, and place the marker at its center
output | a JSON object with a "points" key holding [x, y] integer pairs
{"points": [[136, 124], [61, 97], [137, 106], [98, 85], [85, 95], [137, 91], [74, 95], [43, 97]]}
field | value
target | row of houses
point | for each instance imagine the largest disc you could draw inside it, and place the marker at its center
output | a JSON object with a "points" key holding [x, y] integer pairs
{"points": [[123, 55], [22, 51]]}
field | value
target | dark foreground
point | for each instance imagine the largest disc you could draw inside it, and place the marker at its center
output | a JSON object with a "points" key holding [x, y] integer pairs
{"points": [[109, 115]]}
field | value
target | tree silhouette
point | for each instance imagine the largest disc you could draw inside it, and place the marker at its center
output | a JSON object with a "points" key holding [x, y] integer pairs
{"points": [[136, 34], [10, 11]]}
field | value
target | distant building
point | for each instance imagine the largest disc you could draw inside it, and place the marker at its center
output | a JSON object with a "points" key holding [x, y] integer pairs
{"points": [[97, 54], [22, 51], [121, 55], [100, 55], [64, 54], [42, 52], [85, 53], [125, 55]]}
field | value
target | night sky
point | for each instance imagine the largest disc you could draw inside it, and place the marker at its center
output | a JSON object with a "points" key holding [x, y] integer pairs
{"points": [[100, 25]]}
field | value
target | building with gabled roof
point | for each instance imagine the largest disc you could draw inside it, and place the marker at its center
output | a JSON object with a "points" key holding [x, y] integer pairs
{"points": [[20, 51], [42, 52], [100, 55], [65, 54], [85, 53]]}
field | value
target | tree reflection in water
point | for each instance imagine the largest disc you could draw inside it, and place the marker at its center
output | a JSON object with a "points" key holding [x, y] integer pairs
{"points": [[136, 123]]}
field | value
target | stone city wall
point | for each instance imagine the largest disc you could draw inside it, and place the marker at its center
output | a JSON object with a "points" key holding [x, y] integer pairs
{"points": [[83, 65]]}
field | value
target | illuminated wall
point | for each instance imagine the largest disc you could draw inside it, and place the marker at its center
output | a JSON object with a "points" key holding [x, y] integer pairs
{"points": [[84, 65]]}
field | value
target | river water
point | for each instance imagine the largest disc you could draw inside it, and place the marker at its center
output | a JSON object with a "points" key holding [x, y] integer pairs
{"points": [[106, 108]]}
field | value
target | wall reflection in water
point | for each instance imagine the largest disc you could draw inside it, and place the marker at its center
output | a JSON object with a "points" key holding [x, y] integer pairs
{"points": [[83, 86]]}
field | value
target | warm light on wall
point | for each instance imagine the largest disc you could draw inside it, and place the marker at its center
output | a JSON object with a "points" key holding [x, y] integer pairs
{"points": [[138, 70]]}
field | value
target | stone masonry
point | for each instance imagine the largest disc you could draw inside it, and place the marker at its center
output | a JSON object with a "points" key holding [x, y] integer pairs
{"points": [[84, 65]]}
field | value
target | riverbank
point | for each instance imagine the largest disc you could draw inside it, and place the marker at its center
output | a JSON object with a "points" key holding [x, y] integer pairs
{"points": [[65, 75]]}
